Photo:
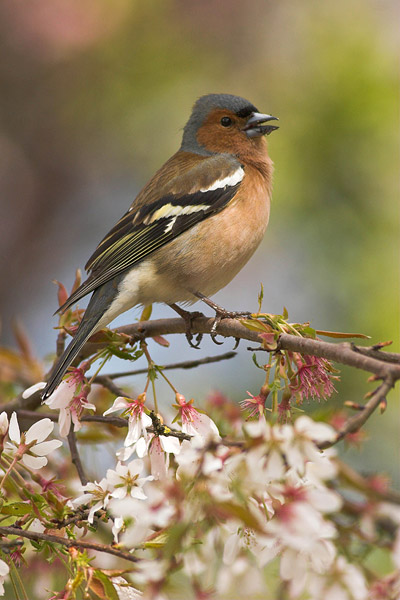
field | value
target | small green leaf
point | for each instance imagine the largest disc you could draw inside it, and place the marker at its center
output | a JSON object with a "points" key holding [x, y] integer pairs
{"points": [[338, 334], [17, 509], [260, 298], [308, 332], [255, 361], [255, 325], [158, 541], [146, 313], [121, 353], [101, 586]]}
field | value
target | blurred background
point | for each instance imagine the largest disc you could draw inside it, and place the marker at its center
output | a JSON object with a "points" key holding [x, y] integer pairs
{"points": [[93, 98]]}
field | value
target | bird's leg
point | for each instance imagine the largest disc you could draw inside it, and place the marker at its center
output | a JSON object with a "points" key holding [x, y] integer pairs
{"points": [[188, 317], [220, 313]]}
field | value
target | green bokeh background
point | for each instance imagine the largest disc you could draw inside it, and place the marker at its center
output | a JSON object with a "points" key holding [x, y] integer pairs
{"points": [[93, 99]]}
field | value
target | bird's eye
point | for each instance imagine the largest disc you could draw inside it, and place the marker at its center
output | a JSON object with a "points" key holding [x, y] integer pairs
{"points": [[226, 121]]}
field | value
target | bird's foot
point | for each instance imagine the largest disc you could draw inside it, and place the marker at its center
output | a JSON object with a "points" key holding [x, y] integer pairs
{"points": [[221, 313], [188, 317]]}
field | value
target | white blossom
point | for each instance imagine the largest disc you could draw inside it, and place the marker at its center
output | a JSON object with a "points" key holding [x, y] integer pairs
{"points": [[344, 582], [125, 480], [96, 494], [4, 571], [37, 433], [70, 407]]}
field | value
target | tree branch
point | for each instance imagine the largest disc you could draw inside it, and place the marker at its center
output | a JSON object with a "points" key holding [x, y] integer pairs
{"points": [[76, 459], [68, 543], [372, 360]]}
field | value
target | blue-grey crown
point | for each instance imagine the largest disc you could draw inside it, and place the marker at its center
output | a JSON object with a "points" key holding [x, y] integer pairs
{"points": [[202, 108]]}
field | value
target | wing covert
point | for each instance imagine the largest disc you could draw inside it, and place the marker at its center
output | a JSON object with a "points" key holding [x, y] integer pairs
{"points": [[142, 231]]}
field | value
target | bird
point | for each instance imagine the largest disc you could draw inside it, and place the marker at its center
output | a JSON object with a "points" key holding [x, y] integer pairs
{"points": [[190, 230]]}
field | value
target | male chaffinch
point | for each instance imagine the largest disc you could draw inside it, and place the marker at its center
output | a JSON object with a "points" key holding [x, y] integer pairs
{"points": [[191, 228]]}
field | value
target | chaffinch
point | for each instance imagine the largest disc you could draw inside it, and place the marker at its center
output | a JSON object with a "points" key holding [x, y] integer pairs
{"points": [[191, 228]]}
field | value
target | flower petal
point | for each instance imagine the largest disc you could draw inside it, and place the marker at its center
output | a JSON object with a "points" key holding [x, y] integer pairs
{"points": [[3, 423], [34, 462], [64, 421], [120, 403], [63, 394], [39, 431], [4, 568], [45, 447], [170, 444], [13, 431], [34, 388]]}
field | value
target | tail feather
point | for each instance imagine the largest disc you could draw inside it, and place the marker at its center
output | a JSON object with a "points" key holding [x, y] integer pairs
{"points": [[100, 301]]}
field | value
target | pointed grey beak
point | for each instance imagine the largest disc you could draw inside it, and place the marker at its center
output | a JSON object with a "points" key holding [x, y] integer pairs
{"points": [[254, 127]]}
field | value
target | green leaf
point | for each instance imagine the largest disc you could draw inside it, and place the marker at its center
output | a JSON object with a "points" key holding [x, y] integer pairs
{"points": [[255, 325], [338, 334], [17, 509], [126, 355], [102, 586], [146, 313], [158, 541], [308, 331], [260, 298], [255, 361]]}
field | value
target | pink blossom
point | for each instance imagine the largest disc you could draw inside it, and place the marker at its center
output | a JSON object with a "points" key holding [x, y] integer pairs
{"points": [[71, 405], [255, 404], [161, 446], [138, 420], [313, 378], [194, 422]]}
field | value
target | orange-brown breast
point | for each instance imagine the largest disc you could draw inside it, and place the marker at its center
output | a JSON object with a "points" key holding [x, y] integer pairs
{"points": [[209, 255]]}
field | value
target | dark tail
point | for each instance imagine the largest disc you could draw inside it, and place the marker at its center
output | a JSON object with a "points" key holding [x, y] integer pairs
{"points": [[99, 303]]}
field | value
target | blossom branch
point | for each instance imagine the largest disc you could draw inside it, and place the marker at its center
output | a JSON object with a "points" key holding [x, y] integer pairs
{"points": [[370, 359], [68, 543], [75, 457], [343, 353]]}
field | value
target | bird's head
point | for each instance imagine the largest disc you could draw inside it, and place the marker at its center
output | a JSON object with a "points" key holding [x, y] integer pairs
{"points": [[226, 123]]}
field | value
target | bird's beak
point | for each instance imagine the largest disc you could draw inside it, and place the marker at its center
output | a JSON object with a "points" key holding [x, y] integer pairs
{"points": [[254, 127]]}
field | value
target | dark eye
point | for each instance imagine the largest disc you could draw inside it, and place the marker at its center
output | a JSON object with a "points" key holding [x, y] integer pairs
{"points": [[226, 121]]}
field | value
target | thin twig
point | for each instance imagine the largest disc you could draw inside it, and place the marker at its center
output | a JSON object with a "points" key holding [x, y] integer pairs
{"points": [[376, 352], [68, 543], [107, 382], [355, 422], [76, 459], [187, 364], [158, 427]]}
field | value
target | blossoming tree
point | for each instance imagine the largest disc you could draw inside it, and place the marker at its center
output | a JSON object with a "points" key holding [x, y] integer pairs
{"points": [[223, 501]]}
